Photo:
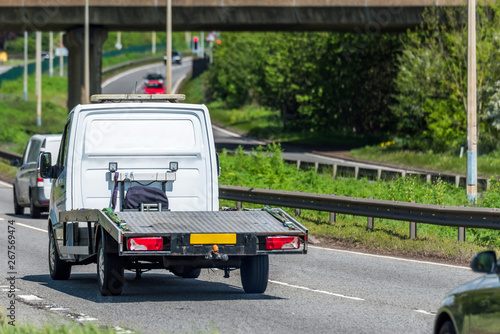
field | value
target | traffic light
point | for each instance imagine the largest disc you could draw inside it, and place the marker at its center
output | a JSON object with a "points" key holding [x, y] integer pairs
{"points": [[195, 41]]}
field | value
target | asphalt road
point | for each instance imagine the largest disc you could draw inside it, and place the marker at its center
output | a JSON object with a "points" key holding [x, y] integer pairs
{"points": [[325, 291]]}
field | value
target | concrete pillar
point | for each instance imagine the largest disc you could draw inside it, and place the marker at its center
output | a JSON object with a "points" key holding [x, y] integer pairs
{"points": [[73, 40]]}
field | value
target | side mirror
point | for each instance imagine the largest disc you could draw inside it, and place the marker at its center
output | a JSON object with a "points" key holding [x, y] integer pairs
{"points": [[45, 165], [15, 163], [484, 262]]}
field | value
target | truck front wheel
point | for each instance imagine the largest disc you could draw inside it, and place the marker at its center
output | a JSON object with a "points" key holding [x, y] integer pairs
{"points": [[110, 271], [255, 273], [59, 270]]}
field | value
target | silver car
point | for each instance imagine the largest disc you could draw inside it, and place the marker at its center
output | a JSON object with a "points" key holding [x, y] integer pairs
{"points": [[29, 188]]}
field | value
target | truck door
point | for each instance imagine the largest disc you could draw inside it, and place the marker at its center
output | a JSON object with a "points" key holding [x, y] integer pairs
{"points": [[58, 195]]}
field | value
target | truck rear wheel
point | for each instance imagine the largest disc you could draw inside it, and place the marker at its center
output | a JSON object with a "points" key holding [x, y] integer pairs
{"points": [[59, 270], [255, 273], [110, 271]]}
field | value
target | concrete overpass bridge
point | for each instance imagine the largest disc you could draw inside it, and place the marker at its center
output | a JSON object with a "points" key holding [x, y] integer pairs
{"points": [[360, 16]]}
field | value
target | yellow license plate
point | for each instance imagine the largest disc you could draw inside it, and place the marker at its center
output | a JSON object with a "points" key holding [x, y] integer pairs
{"points": [[213, 238]]}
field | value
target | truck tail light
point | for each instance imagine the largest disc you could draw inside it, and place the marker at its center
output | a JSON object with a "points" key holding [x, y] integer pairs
{"points": [[282, 242], [39, 182], [145, 244]]}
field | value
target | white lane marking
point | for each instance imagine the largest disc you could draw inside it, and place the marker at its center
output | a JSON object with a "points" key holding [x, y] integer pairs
{"points": [[5, 184], [2, 219], [425, 312], [178, 83], [315, 290], [57, 308], [85, 318], [30, 297], [32, 227], [391, 257], [9, 290]]}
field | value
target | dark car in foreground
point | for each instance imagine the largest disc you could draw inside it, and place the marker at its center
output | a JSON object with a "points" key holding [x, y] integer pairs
{"points": [[473, 307]]}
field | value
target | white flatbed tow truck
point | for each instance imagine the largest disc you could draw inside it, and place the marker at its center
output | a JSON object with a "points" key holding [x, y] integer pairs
{"points": [[135, 186]]}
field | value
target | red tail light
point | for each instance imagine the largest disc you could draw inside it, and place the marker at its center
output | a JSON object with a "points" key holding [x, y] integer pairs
{"points": [[145, 244], [282, 242], [39, 179]]}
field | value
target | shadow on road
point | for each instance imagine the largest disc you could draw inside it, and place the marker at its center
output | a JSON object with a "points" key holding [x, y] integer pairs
{"points": [[151, 287]]}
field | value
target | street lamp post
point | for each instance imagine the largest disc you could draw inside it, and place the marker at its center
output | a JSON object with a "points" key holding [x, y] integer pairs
{"points": [[169, 47], [471, 105]]}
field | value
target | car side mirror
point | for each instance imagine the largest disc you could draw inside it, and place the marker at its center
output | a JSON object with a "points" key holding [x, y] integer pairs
{"points": [[45, 165], [484, 262], [15, 163]]}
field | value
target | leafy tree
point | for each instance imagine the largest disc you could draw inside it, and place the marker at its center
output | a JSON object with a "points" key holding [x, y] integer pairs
{"points": [[432, 80]]}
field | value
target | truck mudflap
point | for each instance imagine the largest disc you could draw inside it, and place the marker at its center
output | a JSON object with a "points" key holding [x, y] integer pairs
{"points": [[197, 233]]}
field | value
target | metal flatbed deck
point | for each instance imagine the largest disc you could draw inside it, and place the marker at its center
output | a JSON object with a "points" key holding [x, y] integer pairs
{"points": [[166, 223]]}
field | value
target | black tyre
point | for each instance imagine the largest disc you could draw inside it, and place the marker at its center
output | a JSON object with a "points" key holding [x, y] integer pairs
{"points": [[35, 211], [186, 272], [193, 273], [18, 210], [110, 271], [447, 328], [255, 273], [59, 270]]}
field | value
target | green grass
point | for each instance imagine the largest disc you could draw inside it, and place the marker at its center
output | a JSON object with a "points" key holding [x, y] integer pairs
{"points": [[487, 164], [71, 328], [126, 57], [18, 118]]}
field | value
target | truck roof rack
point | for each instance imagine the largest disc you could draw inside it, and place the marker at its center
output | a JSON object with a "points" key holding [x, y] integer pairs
{"points": [[101, 98]]}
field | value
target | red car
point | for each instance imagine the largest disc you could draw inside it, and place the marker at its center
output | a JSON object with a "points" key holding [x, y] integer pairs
{"points": [[154, 87]]}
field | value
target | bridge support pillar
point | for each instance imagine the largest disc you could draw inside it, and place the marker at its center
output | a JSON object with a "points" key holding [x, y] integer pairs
{"points": [[74, 41]]}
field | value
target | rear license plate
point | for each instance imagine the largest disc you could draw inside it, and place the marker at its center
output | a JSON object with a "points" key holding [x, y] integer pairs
{"points": [[213, 238]]}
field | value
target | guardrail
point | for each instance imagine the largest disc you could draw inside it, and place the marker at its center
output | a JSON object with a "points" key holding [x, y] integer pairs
{"points": [[386, 172], [461, 217], [9, 156]]}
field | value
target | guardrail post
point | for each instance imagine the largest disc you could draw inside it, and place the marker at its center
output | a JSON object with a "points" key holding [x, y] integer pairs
{"points": [[297, 212], [316, 166], [370, 221], [334, 171], [298, 164], [379, 173], [403, 173], [238, 205], [461, 234], [333, 217], [356, 172], [457, 181], [429, 178], [488, 184], [413, 227]]}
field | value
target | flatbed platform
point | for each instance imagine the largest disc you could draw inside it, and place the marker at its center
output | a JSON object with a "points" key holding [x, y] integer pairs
{"points": [[166, 223]]}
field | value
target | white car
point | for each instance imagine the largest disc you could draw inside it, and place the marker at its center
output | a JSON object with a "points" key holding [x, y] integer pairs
{"points": [[30, 190]]}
